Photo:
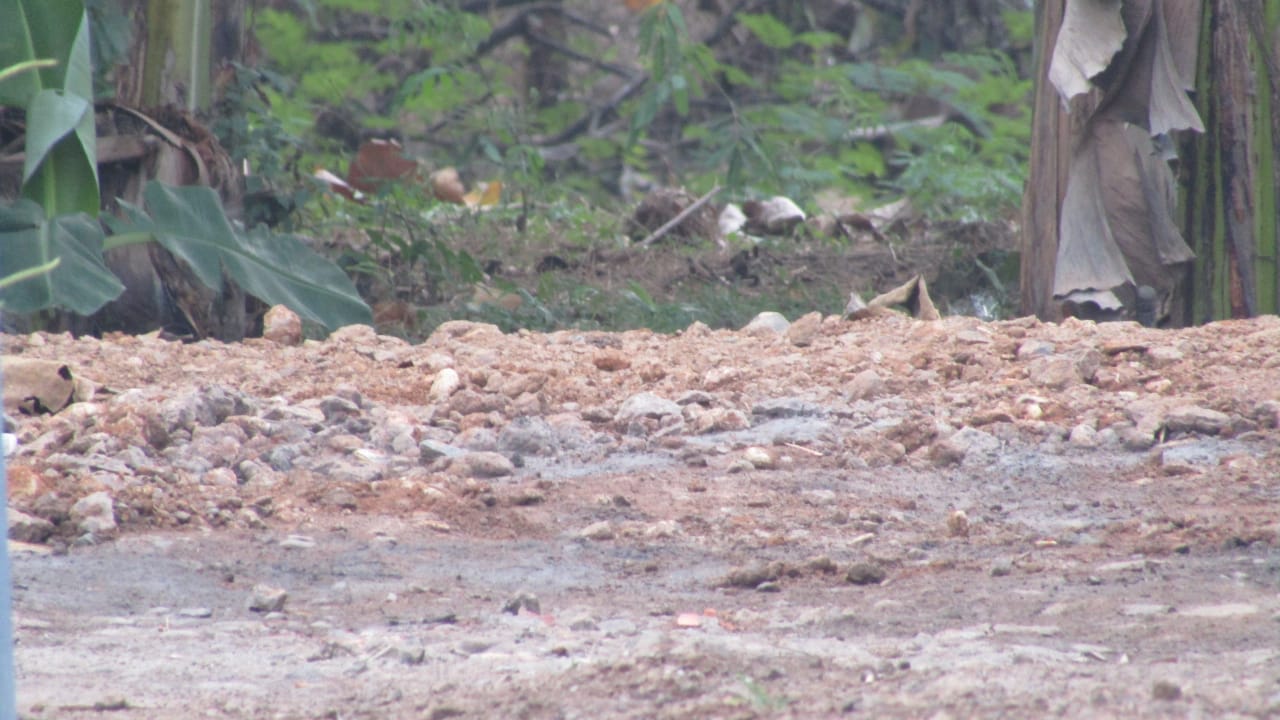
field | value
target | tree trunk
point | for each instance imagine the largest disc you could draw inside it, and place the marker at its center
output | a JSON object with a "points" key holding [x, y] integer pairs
{"points": [[1230, 181], [1231, 177], [1047, 176], [1055, 134], [177, 49]]}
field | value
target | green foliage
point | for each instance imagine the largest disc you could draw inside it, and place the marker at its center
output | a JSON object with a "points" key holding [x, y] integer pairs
{"points": [[190, 223], [788, 109], [973, 169], [60, 170], [278, 269], [1021, 25], [792, 129], [258, 139], [663, 39], [51, 245], [112, 32], [768, 29], [29, 241]]}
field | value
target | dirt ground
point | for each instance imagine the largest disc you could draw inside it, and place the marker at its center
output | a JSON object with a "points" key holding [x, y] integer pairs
{"points": [[873, 518]]}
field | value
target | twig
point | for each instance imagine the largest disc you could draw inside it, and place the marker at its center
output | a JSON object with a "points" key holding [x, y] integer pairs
{"points": [[572, 54], [669, 225], [802, 448], [730, 19], [478, 6], [592, 116]]}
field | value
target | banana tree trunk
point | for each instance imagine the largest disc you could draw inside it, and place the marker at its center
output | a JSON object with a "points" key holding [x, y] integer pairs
{"points": [[178, 49], [1051, 132], [1229, 197], [1232, 183]]}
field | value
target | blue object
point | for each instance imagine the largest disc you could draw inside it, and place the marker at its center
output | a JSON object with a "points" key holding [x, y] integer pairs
{"points": [[8, 684]]}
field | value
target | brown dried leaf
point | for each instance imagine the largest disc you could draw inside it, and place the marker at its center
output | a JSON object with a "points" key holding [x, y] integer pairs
{"points": [[377, 163], [1117, 216], [913, 294], [1092, 33]]}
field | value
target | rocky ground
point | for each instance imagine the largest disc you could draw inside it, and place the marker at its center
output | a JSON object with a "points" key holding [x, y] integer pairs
{"points": [[875, 518]]}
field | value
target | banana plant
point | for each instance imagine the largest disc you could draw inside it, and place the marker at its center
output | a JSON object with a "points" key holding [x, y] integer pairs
{"points": [[60, 169], [51, 242], [47, 72]]}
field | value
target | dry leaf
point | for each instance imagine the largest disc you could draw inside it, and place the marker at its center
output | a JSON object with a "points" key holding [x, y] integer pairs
{"points": [[913, 294], [1092, 33], [1117, 223], [36, 386], [377, 163], [636, 6], [338, 185], [448, 187], [485, 195]]}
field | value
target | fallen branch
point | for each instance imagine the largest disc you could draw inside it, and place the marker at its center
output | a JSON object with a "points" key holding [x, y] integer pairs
{"points": [[802, 448], [539, 38], [683, 215], [592, 116]]}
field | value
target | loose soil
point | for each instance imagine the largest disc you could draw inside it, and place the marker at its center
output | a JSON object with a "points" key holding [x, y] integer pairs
{"points": [[872, 518]]}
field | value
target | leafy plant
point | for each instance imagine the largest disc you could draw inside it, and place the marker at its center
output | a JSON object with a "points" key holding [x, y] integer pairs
{"points": [[278, 269], [259, 140], [788, 108], [52, 240], [60, 166], [29, 239]]}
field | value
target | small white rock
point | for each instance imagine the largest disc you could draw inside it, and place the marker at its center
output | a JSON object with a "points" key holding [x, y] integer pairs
{"points": [[760, 458], [445, 384], [602, 530], [94, 513], [298, 542], [267, 599], [767, 323], [1083, 435]]}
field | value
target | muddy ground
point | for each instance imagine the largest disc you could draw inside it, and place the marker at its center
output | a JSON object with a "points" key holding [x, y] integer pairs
{"points": [[875, 518]]}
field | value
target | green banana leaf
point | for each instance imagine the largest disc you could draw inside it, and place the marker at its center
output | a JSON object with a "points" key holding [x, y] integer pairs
{"points": [[80, 281], [278, 269], [60, 172]]}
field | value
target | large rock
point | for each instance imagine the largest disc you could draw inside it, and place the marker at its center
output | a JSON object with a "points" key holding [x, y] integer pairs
{"points": [[28, 528], [1196, 419], [646, 405], [528, 436], [482, 465], [867, 385], [282, 326], [802, 332], [94, 513], [267, 599], [767, 323], [1060, 371]]}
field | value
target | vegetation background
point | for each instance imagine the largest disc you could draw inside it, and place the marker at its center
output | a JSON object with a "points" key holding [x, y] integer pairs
{"points": [[535, 144], [579, 108]]}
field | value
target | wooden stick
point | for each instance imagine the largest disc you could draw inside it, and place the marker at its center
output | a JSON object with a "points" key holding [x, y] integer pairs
{"points": [[802, 448], [669, 225]]}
